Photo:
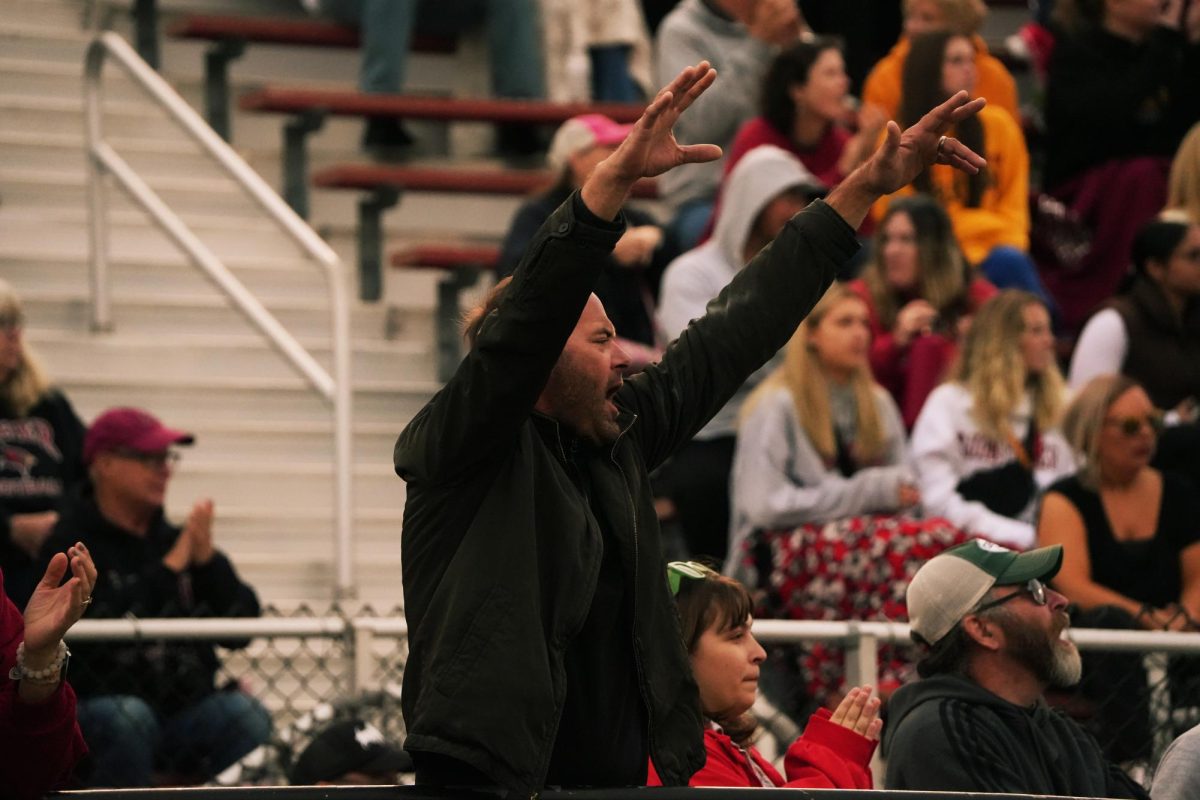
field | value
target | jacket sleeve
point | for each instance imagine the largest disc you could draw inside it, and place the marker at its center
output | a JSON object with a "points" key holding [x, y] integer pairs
{"points": [[829, 756], [780, 481], [40, 742], [479, 411], [751, 319], [937, 463]]}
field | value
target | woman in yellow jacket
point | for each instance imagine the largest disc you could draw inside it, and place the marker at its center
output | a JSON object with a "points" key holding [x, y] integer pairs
{"points": [[990, 210]]}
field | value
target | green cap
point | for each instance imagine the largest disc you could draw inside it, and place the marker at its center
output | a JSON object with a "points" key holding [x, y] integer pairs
{"points": [[949, 585]]}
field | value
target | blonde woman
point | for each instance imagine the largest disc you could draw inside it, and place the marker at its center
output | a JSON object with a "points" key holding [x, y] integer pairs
{"points": [[820, 473], [1183, 184], [41, 438], [987, 439]]}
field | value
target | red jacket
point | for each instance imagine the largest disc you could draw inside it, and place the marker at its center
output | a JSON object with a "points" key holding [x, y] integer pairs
{"points": [[39, 744], [826, 756]]}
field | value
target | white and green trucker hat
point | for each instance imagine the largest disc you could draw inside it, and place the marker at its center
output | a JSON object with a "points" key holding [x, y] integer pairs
{"points": [[952, 583]]}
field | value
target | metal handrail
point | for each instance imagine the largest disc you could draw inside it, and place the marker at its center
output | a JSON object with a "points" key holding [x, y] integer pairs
{"points": [[103, 159]]}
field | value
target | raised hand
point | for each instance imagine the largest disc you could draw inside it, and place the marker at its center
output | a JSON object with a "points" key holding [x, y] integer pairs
{"points": [[906, 154], [199, 531], [52, 608], [859, 712]]}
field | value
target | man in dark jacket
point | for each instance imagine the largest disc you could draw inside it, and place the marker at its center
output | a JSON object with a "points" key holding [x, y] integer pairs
{"points": [[544, 645], [977, 721], [151, 706]]}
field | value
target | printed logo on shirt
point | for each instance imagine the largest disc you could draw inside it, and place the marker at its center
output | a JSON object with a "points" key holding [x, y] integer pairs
{"points": [[981, 447], [17, 459], [34, 431]]}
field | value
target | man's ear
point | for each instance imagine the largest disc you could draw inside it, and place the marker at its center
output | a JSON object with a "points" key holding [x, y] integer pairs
{"points": [[985, 633]]}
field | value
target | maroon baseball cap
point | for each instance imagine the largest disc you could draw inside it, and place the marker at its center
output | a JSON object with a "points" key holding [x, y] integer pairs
{"points": [[132, 429]]}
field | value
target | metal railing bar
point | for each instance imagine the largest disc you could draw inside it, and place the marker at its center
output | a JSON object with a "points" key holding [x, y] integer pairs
{"points": [[335, 389]]}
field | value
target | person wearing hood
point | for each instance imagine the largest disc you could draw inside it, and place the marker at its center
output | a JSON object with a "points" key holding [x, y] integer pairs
{"points": [[977, 722], [766, 188]]}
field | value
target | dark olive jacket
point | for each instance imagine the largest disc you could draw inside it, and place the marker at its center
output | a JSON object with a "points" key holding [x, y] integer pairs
{"points": [[501, 551]]}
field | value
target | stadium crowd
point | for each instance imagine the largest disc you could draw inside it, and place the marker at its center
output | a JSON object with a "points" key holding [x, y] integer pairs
{"points": [[855, 372]]}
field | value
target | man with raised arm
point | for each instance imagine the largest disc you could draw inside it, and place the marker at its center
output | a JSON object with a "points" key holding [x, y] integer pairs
{"points": [[544, 649]]}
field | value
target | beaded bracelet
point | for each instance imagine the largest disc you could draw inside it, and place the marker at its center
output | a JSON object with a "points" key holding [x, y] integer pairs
{"points": [[45, 676]]}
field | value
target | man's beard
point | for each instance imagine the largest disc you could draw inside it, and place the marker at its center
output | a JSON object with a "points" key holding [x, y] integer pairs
{"points": [[1054, 662], [579, 404]]}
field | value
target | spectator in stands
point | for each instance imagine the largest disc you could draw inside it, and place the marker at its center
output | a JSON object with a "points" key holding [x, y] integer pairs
{"points": [[533, 569], [1178, 773], [1151, 330], [595, 50], [883, 87], [768, 187], [977, 722], [1132, 549], [1183, 184], [626, 285], [41, 437], [988, 438], [824, 503], [835, 749], [1120, 95], [153, 705], [514, 50], [989, 211], [740, 37], [804, 110], [349, 752], [39, 736], [921, 294]]}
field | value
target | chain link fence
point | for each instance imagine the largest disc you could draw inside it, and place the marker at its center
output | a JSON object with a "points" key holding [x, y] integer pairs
{"points": [[293, 672]]}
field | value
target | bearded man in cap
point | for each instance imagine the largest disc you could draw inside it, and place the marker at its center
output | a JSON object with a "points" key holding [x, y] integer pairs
{"points": [[977, 721], [150, 709]]}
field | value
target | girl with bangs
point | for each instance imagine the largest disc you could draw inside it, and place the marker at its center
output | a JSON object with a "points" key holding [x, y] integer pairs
{"points": [[824, 502], [987, 440], [920, 293], [835, 749]]}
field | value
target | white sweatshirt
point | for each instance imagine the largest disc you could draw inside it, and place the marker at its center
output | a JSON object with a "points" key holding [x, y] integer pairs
{"points": [[947, 446]]}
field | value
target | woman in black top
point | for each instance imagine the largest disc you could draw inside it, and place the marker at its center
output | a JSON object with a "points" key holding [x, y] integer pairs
{"points": [[40, 442]]}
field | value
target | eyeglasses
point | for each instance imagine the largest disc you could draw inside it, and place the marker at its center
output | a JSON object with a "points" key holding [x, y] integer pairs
{"points": [[1132, 426], [1034, 588], [692, 570], [166, 458]]}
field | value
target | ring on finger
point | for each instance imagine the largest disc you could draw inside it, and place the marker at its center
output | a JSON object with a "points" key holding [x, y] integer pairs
{"points": [[941, 145]]}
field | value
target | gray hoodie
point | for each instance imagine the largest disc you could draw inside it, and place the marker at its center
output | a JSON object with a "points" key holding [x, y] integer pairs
{"points": [[698, 276], [947, 733], [689, 34]]}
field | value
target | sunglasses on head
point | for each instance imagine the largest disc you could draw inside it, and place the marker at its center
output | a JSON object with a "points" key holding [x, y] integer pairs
{"points": [[1033, 587], [692, 570], [1132, 426]]}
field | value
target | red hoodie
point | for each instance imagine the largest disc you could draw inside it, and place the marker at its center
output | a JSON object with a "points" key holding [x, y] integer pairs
{"points": [[39, 743], [826, 756]]}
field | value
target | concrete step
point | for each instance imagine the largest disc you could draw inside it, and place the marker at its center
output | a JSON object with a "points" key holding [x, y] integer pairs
{"points": [[282, 485], [201, 398], [33, 41], [265, 441], [218, 355], [40, 13]]}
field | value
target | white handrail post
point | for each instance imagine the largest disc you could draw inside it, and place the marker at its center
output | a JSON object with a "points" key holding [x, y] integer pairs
{"points": [[363, 644], [101, 306], [343, 441]]}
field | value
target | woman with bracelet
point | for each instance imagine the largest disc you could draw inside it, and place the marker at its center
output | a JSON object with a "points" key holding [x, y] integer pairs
{"points": [[39, 735]]}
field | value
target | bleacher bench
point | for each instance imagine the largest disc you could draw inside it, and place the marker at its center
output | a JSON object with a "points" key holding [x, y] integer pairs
{"points": [[231, 34], [384, 184], [462, 264]]}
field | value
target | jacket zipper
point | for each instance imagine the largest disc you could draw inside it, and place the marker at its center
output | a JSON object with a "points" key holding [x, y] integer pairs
{"points": [[637, 655]]}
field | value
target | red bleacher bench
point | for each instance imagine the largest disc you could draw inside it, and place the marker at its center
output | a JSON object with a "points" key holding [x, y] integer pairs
{"points": [[230, 35], [462, 264], [455, 180]]}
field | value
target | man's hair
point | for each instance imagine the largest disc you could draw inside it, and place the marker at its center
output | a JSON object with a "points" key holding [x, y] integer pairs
{"points": [[952, 653], [473, 319]]}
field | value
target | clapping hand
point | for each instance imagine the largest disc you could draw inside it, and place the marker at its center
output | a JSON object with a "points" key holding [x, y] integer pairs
{"points": [[52, 608], [859, 712]]}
